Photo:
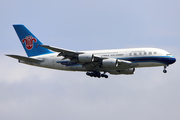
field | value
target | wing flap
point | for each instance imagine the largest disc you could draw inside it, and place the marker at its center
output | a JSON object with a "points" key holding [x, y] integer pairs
{"points": [[26, 59]]}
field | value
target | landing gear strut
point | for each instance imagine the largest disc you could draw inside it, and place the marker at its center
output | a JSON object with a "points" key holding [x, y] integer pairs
{"points": [[96, 74], [165, 71]]}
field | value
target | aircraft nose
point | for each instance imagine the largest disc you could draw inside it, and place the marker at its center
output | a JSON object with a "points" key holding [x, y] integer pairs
{"points": [[172, 60]]}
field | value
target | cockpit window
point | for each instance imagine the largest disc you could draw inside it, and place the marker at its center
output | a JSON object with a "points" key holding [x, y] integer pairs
{"points": [[168, 54]]}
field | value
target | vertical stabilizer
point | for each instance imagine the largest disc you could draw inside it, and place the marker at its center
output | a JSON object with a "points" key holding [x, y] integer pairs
{"points": [[30, 43]]}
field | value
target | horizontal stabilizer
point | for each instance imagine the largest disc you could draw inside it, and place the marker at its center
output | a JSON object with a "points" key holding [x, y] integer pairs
{"points": [[25, 59]]}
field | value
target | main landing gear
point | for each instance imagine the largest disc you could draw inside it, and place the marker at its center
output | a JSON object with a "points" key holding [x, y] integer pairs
{"points": [[96, 74], [165, 71]]}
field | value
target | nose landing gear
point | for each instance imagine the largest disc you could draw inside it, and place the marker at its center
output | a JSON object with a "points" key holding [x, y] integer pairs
{"points": [[165, 71]]}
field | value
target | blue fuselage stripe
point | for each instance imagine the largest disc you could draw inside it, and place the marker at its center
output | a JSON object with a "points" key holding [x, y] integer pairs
{"points": [[162, 59]]}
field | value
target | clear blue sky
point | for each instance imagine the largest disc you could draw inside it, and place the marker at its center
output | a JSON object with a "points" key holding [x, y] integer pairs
{"points": [[28, 92]]}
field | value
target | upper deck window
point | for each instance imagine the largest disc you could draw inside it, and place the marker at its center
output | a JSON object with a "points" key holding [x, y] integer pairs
{"points": [[119, 54], [105, 55]]}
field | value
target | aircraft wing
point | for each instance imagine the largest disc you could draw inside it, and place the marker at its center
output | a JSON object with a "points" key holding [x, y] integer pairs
{"points": [[60, 49], [26, 59], [68, 54], [73, 55]]}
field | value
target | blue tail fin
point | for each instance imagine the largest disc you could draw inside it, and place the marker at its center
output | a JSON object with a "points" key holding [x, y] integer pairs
{"points": [[29, 41]]}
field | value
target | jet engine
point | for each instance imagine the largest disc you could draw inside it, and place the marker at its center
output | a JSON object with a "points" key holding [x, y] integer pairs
{"points": [[110, 63], [86, 57], [125, 71]]}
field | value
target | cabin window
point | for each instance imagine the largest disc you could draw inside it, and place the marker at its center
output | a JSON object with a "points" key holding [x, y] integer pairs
{"points": [[140, 53], [168, 55], [105, 55], [150, 53], [155, 52], [119, 54], [135, 54], [130, 54], [145, 53]]}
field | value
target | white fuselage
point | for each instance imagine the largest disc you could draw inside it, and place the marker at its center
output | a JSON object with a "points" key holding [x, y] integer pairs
{"points": [[141, 57]]}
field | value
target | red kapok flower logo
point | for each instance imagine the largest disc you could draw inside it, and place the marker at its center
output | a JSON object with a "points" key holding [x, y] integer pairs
{"points": [[29, 42]]}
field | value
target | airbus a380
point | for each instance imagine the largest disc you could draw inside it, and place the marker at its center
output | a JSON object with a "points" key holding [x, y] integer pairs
{"points": [[95, 63]]}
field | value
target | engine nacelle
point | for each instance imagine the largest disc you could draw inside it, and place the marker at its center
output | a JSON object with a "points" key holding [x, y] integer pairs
{"points": [[86, 57], [126, 71], [110, 63]]}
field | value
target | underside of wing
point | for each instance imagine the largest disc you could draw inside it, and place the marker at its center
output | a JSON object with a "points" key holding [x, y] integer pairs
{"points": [[112, 64]]}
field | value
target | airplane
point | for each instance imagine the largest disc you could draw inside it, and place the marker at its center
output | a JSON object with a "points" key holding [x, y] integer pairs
{"points": [[96, 63]]}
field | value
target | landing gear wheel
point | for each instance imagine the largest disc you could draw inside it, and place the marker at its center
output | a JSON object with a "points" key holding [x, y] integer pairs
{"points": [[102, 75], [164, 71], [106, 76], [96, 74]]}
